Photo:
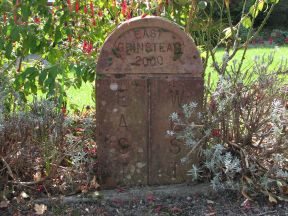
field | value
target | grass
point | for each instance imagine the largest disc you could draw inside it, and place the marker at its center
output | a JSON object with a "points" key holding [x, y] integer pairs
{"points": [[84, 96]]}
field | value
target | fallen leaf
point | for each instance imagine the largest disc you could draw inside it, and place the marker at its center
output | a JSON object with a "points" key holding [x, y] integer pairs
{"points": [[120, 190], [210, 202], [176, 210], [272, 199], [245, 194], [159, 208], [150, 198], [84, 188], [4, 204], [40, 209], [94, 184], [249, 180], [24, 195], [284, 189], [118, 202], [246, 204], [37, 176]]}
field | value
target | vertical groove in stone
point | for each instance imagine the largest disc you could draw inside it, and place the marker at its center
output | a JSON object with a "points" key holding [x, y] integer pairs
{"points": [[148, 129]]}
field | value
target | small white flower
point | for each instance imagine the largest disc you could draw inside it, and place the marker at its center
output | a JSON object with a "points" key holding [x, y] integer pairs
{"points": [[174, 117], [170, 133]]}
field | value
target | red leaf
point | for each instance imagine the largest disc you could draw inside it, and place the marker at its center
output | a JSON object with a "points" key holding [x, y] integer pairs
{"points": [[69, 5], [90, 48], [4, 17], [93, 22], [15, 18], [80, 129], [159, 208], [124, 8], [120, 190], [176, 210], [87, 47], [85, 9], [118, 202], [92, 8], [69, 38], [144, 15], [100, 13], [270, 40], [213, 105], [128, 15], [246, 204], [37, 20], [150, 198], [40, 188], [63, 110], [216, 133], [77, 6]]}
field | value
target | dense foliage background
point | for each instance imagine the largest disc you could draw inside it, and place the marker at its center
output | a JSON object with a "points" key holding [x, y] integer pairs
{"points": [[48, 47]]}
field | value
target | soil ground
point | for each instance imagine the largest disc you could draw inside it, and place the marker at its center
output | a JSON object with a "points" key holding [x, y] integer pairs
{"points": [[168, 200]]}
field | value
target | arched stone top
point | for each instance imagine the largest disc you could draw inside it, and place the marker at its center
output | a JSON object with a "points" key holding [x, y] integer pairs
{"points": [[150, 45]]}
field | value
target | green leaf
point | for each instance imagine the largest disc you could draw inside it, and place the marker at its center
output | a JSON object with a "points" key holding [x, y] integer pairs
{"points": [[25, 10], [15, 35], [54, 55], [48, 27], [33, 72], [8, 50], [26, 87], [181, 2], [8, 31], [32, 40], [261, 5], [42, 77], [254, 11], [246, 22], [282, 198], [274, 1], [33, 86], [228, 32], [58, 35]]}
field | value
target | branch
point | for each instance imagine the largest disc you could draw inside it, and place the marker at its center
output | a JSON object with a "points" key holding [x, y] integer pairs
{"points": [[8, 169], [191, 15]]}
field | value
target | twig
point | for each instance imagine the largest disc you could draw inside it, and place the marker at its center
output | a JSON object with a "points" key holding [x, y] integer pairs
{"points": [[191, 15], [8, 168]]}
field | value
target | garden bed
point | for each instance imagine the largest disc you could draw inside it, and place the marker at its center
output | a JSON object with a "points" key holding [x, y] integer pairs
{"points": [[163, 200]]}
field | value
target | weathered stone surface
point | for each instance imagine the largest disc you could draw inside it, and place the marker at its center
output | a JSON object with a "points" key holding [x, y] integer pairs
{"points": [[149, 46], [122, 131], [150, 68], [167, 96]]}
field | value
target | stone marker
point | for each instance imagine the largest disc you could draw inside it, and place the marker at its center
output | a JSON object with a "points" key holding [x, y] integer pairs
{"points": [[149, 67]]}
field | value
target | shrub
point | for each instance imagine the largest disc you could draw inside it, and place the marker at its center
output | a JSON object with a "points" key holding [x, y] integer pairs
{"points": [[244, 140], [279, 36], [41, 147]]}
